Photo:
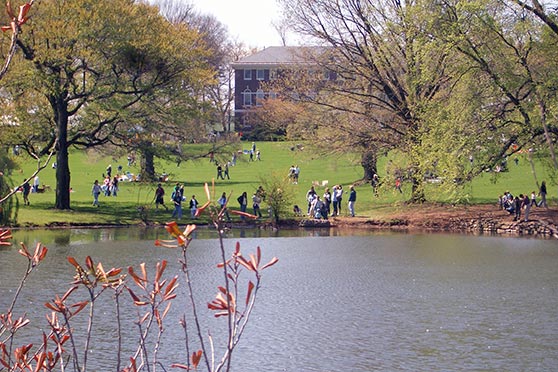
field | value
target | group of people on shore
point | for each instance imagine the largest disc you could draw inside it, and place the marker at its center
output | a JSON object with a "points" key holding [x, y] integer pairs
{"points": [[329, 204], [523, 202]]}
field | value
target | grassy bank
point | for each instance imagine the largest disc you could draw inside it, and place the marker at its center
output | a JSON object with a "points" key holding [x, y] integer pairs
{"points": [[276, 158]]}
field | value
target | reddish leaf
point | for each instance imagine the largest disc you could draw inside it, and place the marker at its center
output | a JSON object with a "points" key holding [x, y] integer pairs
{"points": [[249, 294], [239, 213], [68, 292], [160, 269], [74, 262], [23, 10], [114, 272], [89, 262], [273, 261], [196, 357], [171, 286], [143, 271], [181, 366], [80, 306], [137, 279], [172, 228], [207, 193]]}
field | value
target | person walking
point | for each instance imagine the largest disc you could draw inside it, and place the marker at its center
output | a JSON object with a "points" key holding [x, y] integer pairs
{"points": [[226, 170], [542, 194], [26, 189], [160, 197], [352, 200], [220, 172], [96, 191]]}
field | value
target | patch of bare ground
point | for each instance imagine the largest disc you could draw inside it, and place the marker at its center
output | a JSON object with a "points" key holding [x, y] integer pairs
{"points": [[471, 218]]}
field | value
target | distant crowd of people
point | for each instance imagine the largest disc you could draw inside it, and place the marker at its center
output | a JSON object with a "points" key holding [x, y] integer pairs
{"points": [[329, 204], [514, 205]]}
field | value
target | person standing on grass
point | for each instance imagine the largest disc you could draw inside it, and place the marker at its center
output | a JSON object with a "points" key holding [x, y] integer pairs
{"points": [[223, 204], [339, 198], [36, 183], [176, 198], [517, 203], [26, 189], [327, 202], [352, 200], [526, 206], [256, 200], [243, 202], [296, 174], [96, 191], [334, 200], [193, 206], [310, 196], [542, 194]]}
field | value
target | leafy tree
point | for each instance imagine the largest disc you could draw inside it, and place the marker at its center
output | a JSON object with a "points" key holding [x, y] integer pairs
{"points": [[510, 74], [87, 70], [386, 70], [278, 195]]}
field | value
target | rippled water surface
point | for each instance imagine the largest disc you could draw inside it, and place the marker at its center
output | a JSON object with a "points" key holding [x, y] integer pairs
{"points": [[338, 303]]}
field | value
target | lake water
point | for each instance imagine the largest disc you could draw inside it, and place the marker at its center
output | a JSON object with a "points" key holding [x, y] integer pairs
{"points": [[349, 301]]}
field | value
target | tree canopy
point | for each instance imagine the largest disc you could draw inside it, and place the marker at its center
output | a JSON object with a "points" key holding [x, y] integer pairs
{"points": [[92, 72], [440, 81]]}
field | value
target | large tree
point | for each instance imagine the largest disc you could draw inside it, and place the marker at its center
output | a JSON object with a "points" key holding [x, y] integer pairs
{"points": [[507, 67], [86, 70], [386, 67]]}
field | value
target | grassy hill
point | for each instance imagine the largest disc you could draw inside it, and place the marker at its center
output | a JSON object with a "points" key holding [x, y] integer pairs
{"points": [[276, 159]]}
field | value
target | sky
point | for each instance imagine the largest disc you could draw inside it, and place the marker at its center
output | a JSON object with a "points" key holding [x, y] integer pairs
{"points": [[248, 21]]}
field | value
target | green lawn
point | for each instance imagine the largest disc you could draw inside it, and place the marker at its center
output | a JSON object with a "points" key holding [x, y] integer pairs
{"points": [[276, 158]]}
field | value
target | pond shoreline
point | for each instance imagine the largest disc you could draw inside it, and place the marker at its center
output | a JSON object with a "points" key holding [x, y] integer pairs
{"points": [[477, 219]]}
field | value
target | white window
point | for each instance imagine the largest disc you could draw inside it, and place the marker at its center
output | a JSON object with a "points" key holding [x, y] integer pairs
{"points": [[247, 95], [247, 74], [260, 74], [259, 97]]}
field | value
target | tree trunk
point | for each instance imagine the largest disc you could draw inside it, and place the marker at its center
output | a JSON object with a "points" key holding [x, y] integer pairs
{"points": [[62, 164], [417, 191], [147, 172], [368, 162]]}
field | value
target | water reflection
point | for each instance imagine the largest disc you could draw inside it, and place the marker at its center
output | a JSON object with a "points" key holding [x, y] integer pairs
{"points": [[356, 302]]}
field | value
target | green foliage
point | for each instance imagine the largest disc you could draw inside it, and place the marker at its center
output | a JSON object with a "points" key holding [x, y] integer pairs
{"points": [[9, 208], [279, 194]]}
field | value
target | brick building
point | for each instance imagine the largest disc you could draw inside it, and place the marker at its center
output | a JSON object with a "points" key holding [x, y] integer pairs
{"points": [[252, 72]]}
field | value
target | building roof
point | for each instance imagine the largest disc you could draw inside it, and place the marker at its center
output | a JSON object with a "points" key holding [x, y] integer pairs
{"points": [[278, 56]]}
